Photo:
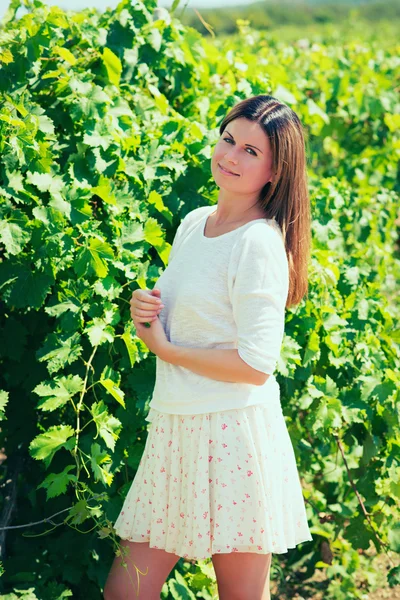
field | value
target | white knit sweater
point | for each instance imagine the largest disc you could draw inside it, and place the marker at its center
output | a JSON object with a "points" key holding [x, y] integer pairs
{"points": [[228, 291]]}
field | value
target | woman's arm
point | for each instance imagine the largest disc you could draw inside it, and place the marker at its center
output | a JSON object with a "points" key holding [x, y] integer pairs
{"points": [[221, 364]]}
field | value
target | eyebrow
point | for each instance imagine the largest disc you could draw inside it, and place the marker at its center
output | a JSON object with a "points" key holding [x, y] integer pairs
{"points": [[246, 144]]}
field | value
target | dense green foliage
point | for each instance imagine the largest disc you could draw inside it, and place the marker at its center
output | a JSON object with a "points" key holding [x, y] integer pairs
{"points": [[107, 125]]}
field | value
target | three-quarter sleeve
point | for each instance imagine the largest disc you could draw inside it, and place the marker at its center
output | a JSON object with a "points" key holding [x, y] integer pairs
{"points": [[258, 283]]}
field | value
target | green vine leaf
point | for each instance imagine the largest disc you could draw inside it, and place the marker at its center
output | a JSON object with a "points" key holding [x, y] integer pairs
{"points": [[45, 445], [14, 233], [113, 66], [108, 427], [58, 392], [57, 483], [3, 401], [99, 332], [79, 513], [394, 537], [114, 390], [60, 350], [92, 260], [101, 465]]}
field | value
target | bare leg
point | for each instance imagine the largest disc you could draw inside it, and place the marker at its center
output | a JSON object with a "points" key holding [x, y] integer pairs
{"points": [[243, 575], [144, 575]]}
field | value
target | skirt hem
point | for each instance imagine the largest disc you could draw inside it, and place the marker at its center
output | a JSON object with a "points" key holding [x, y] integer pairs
{"points": [[218, 549]]}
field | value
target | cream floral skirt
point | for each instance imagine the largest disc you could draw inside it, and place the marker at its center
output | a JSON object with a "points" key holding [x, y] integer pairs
{"points": [[216, 483]]}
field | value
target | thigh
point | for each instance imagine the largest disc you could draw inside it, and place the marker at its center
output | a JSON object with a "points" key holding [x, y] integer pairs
{"points": [[143, 576], [242, 575]]}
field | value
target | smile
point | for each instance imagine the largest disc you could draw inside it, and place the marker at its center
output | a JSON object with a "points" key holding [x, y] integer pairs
{"points": [[225, 172]]}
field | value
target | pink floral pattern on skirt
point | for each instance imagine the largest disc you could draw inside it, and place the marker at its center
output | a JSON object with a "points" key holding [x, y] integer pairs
{"points": [[218, 482]]}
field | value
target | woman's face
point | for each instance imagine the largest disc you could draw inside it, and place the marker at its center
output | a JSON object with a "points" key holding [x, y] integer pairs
{"points": [[244, 149]]}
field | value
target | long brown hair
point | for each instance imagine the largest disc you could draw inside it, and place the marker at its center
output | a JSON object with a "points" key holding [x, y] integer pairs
{"points": [[286, 198]]}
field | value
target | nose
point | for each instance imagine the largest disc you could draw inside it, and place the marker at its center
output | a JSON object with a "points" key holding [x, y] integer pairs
{"points": [[230, 156]]}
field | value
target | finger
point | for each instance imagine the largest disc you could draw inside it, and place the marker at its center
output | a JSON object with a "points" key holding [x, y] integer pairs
{"points": [[148, 312], [139, 304], [147, 296], [144, 318], [139, 312], [145, 301]]}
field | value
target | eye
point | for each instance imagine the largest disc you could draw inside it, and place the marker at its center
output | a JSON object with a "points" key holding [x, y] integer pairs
{"points": [[231, 140]]}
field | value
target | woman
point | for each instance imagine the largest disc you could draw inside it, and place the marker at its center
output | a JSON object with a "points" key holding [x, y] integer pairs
{"points": [[218, 475]]}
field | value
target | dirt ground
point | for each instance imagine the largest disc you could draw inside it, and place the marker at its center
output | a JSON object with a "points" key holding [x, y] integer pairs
{"points": [[382, 564]]}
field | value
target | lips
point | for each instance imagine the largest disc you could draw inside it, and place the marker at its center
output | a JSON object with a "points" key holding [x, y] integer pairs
{"points": [[227, 170]]}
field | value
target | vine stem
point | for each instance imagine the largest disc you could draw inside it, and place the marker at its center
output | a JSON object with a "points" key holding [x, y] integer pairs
{"points": [[381, 542], [47, 519], [78, 411]]}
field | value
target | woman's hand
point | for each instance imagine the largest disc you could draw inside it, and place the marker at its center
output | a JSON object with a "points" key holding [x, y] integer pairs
{"points": [[145, 305], [145, 308]]}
